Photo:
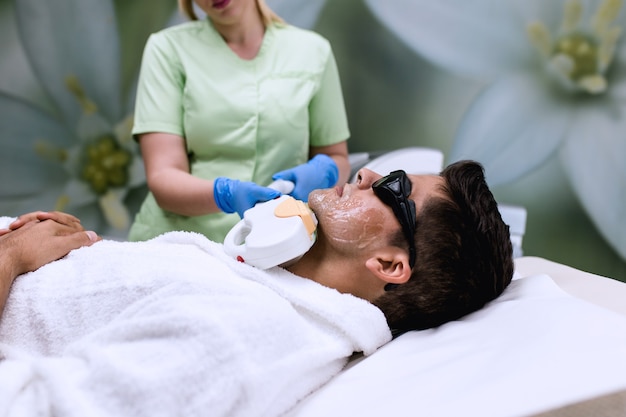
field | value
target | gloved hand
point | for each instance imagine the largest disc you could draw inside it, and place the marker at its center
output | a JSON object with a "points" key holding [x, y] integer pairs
{"points": [[238, 196], [320, 172]]}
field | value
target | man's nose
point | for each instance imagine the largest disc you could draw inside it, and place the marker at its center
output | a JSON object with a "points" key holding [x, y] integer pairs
{"points": [[365, 178]]}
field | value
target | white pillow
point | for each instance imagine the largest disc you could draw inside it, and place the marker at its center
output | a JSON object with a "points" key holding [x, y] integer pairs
{"points": [[534, 348]]}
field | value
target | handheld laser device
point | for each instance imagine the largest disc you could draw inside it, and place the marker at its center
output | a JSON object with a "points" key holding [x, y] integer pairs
{"points": [[275, 232]]}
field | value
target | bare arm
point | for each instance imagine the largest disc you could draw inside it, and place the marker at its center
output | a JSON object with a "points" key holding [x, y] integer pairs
{"points": [[169, 178], [36, 239], [339, 153]]}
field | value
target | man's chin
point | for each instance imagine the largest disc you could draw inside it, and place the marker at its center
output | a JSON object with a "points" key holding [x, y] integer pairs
{"points": [[316, 199]]}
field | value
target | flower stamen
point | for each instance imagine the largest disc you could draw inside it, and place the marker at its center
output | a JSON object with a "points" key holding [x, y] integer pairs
{"points": [[73, 84], [106, 165], [62, 202], [605, 15], [594, 84], [606, 51], [50, 152], [114, 211], [580, 57], [123, 130], [540, 38], [582, 51], [571, 16]]}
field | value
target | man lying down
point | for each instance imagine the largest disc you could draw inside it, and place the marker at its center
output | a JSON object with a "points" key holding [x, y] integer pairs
{"points": [[173, 326]]}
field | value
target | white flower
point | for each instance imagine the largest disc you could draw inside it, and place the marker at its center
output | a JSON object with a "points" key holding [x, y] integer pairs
{"points": [[555, 74], [80, 158]]}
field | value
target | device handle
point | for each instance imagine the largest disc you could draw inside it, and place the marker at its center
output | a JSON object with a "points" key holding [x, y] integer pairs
{"points": [[284, 186], [235, 240]]}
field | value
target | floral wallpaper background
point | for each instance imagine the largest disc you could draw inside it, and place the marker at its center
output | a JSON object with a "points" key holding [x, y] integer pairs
{"points": [[534, 89]]}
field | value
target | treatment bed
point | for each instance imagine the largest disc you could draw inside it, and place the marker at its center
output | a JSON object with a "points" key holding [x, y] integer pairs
{"points": [[553, 343]]}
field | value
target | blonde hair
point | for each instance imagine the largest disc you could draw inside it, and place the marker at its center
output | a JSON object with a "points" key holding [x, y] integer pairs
{"points": [[267, 15]]}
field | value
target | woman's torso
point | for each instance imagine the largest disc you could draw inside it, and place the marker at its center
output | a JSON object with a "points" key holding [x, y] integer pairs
{"points": [[244, 119]]}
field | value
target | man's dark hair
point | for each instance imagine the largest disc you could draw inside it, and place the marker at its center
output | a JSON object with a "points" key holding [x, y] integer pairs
{"points": [[464, 255]]}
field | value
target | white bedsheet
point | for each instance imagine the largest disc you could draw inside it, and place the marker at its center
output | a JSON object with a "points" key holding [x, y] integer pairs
{"points": [[172, 327], [533, 349]]}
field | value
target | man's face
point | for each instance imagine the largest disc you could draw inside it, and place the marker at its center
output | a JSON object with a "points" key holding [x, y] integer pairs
{"points": [[353, 217]]}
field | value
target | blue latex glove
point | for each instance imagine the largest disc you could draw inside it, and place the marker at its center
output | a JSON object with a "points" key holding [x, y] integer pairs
{"points": [[320, 172], [238, 196]]}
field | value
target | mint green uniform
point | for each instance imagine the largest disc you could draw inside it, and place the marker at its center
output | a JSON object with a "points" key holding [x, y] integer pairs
{"points": [[243, 119]]}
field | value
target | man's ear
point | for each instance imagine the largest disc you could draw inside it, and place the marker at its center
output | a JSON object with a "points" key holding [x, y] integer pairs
{"points": [[390, 265]]}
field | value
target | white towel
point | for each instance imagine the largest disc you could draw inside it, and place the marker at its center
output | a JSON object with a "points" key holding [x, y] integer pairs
{"points": [[6, 221], [172, 327]]}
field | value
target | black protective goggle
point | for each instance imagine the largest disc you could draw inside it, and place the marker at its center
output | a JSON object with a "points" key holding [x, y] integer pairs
{"points": [[394, 190]]}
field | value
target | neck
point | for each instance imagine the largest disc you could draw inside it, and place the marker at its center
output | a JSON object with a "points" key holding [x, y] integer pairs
{"points": [[242, 32], [331, 269], [244, 36], [317, 264], [310, 265]]}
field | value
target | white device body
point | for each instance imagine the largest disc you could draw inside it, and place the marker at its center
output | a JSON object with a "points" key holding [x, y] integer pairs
{"points": [[264, 239]]}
